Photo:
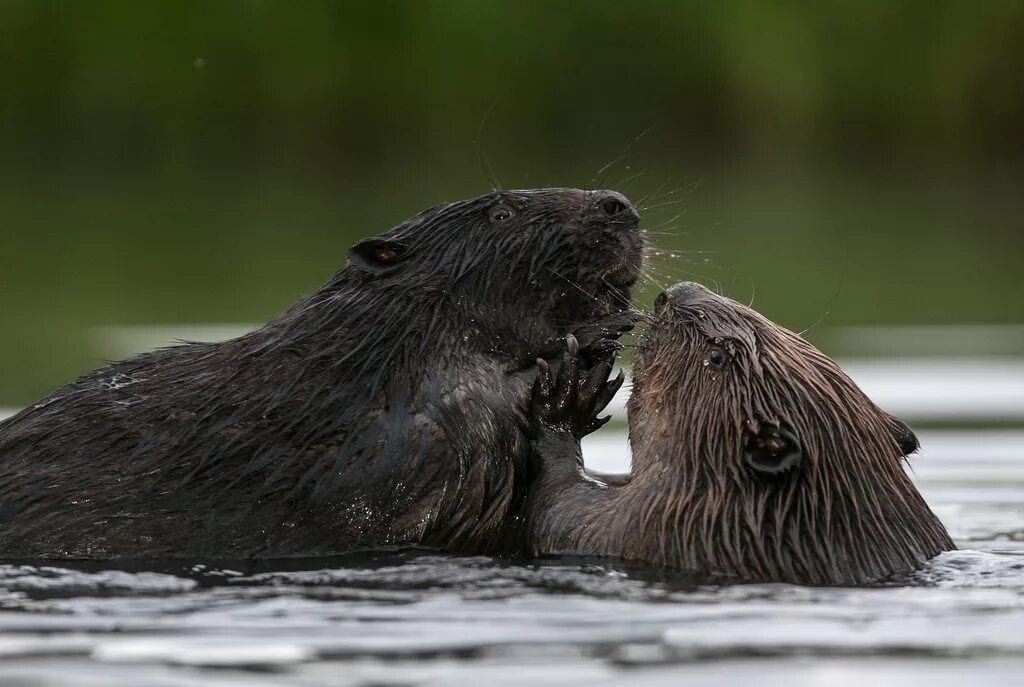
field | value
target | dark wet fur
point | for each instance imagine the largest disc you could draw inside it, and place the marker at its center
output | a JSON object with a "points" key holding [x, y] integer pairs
{"points": [[848, 514], [387, 407]]}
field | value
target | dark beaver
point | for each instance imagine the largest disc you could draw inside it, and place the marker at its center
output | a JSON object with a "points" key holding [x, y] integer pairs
{"points": [[389, 407], [754, 457]]}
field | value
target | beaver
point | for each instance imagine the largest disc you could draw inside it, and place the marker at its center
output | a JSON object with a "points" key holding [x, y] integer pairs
{"points": [[389, 407], [754, 457]]}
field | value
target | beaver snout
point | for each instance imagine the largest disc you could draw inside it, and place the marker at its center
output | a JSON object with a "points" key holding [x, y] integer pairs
{"points": [[611, 206], [683, 293], [659, 302]]}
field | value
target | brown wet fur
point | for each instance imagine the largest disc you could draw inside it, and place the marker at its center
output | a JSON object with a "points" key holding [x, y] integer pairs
{"points": [[848, 514]]}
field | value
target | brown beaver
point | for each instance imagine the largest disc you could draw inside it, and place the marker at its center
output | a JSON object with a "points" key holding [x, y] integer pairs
{"points": [[754, 457], [389, 407]]}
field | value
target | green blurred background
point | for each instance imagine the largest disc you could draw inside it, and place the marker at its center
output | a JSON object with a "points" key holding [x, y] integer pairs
{"points": [[199, 162]]}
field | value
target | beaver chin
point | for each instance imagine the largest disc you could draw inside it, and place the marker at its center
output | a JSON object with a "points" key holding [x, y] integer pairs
{"points": [[622, 278], [609, 291], [624, 274]]}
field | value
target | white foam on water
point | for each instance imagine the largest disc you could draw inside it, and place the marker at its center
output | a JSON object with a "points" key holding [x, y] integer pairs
{"points": [[211, 652]]}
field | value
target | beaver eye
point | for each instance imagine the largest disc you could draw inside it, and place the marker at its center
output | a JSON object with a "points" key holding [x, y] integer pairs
{"points": [[501, 213], [718, 357]]}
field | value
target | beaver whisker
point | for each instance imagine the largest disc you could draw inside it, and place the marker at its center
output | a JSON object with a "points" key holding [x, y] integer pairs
{"points": [[486, 171], [669, 266], [671, 272], [670, 223], [824, 316], [613, 291], [664, 203], [670, 226], [659, 198], [656, 193], [650, 200], [648, 278], [656, 199], [632, 177], [574, 284], [671, 220], [676, 254], [622, 156]]}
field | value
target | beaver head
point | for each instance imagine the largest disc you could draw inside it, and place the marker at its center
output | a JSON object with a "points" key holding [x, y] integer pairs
{"points": [[526, 265], [770, 462]]}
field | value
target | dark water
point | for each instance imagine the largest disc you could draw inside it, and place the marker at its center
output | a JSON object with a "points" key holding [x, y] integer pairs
{"points": [[413, 618]]}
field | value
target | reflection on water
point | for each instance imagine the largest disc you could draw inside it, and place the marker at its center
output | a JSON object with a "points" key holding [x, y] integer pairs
{"points": [[414, 618], [408, 618]]}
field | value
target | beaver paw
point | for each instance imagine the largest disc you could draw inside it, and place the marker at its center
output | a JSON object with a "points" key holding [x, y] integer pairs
{"points": [[573, 400], [599, 339]]}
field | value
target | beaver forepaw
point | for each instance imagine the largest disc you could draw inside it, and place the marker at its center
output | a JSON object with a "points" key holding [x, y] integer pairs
{"points": [[572, 401], [598, 339]]}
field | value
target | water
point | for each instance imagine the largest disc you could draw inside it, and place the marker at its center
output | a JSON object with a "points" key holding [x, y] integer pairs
{"points": [[415, 618]]}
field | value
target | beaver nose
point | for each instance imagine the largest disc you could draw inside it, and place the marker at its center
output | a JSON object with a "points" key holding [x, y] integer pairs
{"points": [[684, 292], [612, 205], [659, 302]]}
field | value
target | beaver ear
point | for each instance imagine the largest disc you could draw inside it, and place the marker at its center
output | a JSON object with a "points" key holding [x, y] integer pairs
{"points": [[772, 450], [904, 436], [377, 255]]}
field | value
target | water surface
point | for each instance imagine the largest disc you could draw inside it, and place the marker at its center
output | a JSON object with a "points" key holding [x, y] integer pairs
{"points": [[416, 618]]}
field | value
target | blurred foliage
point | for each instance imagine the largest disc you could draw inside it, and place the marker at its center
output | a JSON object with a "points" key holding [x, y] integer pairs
{"points": [[350, 84], [210, 161]]}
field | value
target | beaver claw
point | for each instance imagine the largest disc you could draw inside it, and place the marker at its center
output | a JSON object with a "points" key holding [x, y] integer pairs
{"points": [[573, 400], [598, 339]]}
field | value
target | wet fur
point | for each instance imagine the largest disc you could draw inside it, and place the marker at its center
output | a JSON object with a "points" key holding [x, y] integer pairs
{"points": [[848, 515], [387, 407]]}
